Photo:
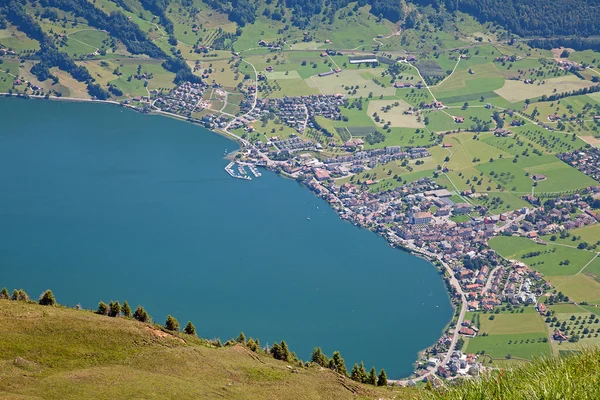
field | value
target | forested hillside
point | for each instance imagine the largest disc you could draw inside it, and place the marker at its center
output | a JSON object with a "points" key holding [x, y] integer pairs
{"points": [[532, 17]]}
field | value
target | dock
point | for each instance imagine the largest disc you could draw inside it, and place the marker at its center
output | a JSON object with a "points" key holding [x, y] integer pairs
{"points": [[241, 172], [254, 171]]}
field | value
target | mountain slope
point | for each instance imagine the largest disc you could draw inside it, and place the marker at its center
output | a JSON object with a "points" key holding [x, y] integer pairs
{"points": [[59, 353]]}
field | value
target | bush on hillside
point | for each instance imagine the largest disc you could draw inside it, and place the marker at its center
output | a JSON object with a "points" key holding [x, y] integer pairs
{"points": [[20, 295], [47, 298], [141, 315], [102, 308], [171, 324]]}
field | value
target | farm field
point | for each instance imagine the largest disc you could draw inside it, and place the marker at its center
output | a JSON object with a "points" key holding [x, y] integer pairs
{"points": [[506, 323], [395, 115], [360, 79], [515, 91], [551, 258], [525, 345], [484, 79]]}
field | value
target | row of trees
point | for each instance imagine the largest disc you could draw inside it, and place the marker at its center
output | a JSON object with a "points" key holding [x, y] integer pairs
{"points": [[279, 351], [358, 373], [46, 299]]}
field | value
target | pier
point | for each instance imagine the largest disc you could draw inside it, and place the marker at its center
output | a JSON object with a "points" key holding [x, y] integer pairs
{"points": [[241, 171]]}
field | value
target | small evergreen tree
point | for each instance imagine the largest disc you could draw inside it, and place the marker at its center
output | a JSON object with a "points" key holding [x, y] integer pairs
{"points": [[102, 308], [141, 315], [4, 294], [338, 363], [251, 345], [362, 372], [382, 378], [355, 374], [276, 351], [171, 324], [190, 329], [115, 309], [47, 298], [126, 310], [20, 295], [285, 352], [372, 378], [241, 338], [318, 357], [218, 343]]}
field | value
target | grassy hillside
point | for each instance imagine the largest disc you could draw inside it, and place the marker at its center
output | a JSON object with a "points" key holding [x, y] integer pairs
{"points": [[570, 377], [59, 353]]}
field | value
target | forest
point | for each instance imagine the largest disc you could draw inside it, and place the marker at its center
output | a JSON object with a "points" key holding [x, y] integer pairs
{"points": [[529, 18]]}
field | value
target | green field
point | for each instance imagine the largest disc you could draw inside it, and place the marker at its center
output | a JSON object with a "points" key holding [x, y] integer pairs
{"points": [[507, 323], [524, 345], [548, 262]]}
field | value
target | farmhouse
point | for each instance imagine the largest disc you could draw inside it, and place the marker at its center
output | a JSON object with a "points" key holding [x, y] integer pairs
{"points": [[459, 120], [538, 177]]}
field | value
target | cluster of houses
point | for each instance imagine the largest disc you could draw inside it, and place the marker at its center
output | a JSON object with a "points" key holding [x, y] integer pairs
{"points": [[585, 160], [183, 99], [567, 65], [298, 112], [7, 52], [283, 149], [276, 45], [460, 365], [360, 160]]}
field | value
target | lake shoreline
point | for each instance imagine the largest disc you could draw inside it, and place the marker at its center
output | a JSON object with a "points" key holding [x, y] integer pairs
{"points": [[233, 137]]}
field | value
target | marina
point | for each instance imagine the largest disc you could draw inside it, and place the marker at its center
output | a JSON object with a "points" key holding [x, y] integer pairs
{"points": [[241, 172]]}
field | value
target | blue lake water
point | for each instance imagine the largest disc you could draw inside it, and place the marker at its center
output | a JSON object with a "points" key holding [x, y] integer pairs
{"points": [[102, 203]]}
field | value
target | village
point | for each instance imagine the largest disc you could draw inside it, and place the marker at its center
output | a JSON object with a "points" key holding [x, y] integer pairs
{"points": [[449, 228], [479, 279]]}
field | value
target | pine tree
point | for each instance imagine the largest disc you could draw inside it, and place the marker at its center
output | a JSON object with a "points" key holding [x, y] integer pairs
{"points": [[20, 295], [362, 372], [276, 351], [102, 308], [141, 315], [355, 374], [382, 378], [190, 329], [171, 324], [47, 298], [257, 344], [318, 357], [126, 310], [241, 338], [338, 363], [372, 378], [251, 344], [115, 309], [285, 352], [4, 294]]}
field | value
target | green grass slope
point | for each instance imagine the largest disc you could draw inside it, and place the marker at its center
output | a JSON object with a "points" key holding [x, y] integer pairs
{"points": [[59, 353], [572, 377]]}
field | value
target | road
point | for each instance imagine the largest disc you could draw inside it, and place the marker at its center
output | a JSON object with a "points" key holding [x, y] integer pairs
{"points": [[489, 282], [511, 222]]}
